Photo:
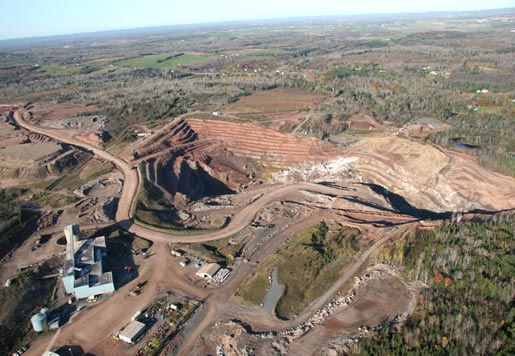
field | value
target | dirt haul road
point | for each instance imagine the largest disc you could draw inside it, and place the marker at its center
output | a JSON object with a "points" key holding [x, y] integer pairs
{"points": [[262, 321], [131, 185]]}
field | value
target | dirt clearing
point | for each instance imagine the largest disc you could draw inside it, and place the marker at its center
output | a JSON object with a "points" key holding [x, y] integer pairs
{"points": [[377, 301], [275, 100]]}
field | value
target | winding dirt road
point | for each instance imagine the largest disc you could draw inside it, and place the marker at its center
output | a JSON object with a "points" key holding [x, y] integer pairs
{"points": [[131, 187], [131, 183], [262, 321]]}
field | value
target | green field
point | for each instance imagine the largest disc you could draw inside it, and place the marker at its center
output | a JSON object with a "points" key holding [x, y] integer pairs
{"points": [[102, 61], [162, 61], [60, 69], [103, 65], [68, 69], [308, 264]]}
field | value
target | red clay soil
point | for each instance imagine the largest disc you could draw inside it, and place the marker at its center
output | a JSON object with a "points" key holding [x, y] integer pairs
{"points": [[276, 121], [232, 153], [93, 138], [249, 140], [363, 122], [49, 112], [276, 100]]}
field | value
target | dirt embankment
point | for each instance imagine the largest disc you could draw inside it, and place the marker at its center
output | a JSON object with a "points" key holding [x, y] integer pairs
{"points": [[217, 138], [268, 147], [415, 178], [431, 178], [27, 157]]}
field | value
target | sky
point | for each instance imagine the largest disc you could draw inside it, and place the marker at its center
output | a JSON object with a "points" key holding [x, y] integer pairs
{"points": [[30, 18]]}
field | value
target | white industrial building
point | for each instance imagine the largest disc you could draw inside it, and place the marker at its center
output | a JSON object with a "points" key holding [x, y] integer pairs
{"points": [[132, 331], [83, 271], [208, 270]]}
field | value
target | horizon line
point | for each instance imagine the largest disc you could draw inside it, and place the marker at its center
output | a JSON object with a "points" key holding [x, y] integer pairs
{"points": [[215, 23]]}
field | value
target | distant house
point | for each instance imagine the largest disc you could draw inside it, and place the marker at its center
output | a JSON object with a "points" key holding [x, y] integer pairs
{"points": [[83, 271], [208, 270]]}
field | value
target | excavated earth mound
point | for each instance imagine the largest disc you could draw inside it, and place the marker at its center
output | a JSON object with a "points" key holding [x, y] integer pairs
{"points": [[46, 113], [362, 122]]}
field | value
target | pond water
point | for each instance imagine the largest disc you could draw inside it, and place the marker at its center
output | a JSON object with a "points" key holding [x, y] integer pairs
{"points": [[458, 143], [274, 293]]}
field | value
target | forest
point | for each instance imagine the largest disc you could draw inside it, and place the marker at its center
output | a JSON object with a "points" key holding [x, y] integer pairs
{"points": [[467, 307]]}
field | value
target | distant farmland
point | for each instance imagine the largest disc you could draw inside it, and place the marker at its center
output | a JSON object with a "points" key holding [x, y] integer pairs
{"points": [[68, 69], [162, 61]]}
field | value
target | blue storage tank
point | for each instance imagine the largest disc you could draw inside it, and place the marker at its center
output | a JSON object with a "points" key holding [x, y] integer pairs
{"points": [[38, 322]]}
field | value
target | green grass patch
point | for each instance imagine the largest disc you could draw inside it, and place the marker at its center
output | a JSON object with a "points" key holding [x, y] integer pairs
{"points": [[67, 69], [50, 192], [139, 243], [254, 288], [12, 222], [121, 242], [52, 199], [221, 251], [308, 264], [102, 61], [86, 172], [162, 61], [490, 109]]}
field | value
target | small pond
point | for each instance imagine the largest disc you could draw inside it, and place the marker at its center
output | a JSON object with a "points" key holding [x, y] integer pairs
{"points": [[274, 293], [460, 144]]}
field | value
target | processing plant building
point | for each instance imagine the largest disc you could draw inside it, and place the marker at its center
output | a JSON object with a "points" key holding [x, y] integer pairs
{"points": [[132, 332], [83, 271]]}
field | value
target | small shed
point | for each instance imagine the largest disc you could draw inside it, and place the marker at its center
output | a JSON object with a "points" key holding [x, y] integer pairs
{"points": [[38, 322], [208, 270], [177, 253], [185, 262], [132, 331]]}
